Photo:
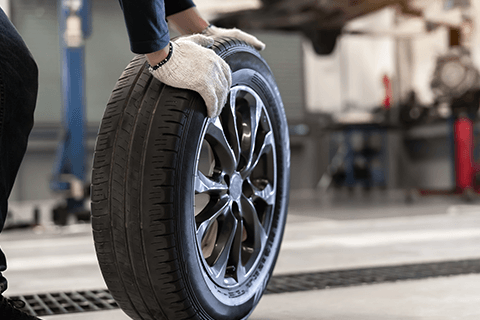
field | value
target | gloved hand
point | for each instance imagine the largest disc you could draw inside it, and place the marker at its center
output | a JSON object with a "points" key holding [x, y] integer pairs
{"points": [[193, 66], [235, 33]]}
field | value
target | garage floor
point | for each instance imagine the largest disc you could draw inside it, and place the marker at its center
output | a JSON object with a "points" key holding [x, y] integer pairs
{"points": [[327, 235]]}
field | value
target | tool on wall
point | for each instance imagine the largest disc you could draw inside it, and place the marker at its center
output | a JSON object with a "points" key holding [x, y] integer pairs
{"points": [[69, 168]]}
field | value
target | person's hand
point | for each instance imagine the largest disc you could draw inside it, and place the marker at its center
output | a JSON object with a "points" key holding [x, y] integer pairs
{"points": [[235, 33], [192, 66]]}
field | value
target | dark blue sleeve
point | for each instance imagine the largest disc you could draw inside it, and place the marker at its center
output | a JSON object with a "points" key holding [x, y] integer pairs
{"points": [[176, 6], [146, 24]]}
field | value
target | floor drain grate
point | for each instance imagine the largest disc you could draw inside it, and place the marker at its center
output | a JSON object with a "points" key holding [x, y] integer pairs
{"points": [[96, 300], [353, 277], [67, 302]]}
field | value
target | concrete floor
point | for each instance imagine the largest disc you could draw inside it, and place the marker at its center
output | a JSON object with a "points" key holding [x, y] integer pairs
{"points": [[324, 232]]}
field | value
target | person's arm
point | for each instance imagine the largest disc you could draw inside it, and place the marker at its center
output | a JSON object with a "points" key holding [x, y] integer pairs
{"points": [[188, 21], [185, 63], [146, 25]]}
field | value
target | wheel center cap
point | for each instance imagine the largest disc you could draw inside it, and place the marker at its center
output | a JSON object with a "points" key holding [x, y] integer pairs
{"points": [[236, 187]]}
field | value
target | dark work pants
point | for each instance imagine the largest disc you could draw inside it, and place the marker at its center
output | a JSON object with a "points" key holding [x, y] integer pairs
{"points": [[18, 95]]}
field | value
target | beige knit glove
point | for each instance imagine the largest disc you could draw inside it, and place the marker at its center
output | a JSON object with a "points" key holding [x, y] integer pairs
{"points": [[235, 33], [192, 66]]}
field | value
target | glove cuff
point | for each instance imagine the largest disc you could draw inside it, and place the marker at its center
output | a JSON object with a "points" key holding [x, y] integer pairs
{"points": [[161, 63]]}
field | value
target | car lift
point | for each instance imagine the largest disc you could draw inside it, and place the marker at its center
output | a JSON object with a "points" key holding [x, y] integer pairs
{"points": [[68, 176]]}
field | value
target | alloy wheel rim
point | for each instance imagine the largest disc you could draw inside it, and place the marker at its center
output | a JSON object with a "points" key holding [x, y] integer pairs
{"points": [[235, 188]]}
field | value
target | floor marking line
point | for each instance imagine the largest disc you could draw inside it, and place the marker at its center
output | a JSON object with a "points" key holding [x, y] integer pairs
{"points": [[372, 239], [49, 262]]}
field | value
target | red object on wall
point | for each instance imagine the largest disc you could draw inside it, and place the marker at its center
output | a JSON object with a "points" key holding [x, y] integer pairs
{"points": [[387, 101], [464, 166]]}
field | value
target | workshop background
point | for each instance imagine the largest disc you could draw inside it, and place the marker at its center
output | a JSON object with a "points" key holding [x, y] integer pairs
{"points": [[381, 98], [330, 99]]}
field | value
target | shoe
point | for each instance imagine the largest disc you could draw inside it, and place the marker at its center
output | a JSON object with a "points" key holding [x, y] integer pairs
{"points": [[11, 310]]}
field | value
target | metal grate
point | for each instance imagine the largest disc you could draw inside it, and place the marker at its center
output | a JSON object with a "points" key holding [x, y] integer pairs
{"points": [[67, 302], [95, 300], [353, 277]]}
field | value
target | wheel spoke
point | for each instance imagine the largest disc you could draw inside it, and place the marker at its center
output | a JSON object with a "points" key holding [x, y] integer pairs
{"points": [[251, 129], [206, 185], [208, 215], [230, 118], [267, 194], [267, 145], [236, 254], [224, 154], [223, 246], [254, 225]]}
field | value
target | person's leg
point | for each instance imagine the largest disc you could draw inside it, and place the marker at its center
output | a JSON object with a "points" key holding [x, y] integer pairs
{"points": [[18, 95]]}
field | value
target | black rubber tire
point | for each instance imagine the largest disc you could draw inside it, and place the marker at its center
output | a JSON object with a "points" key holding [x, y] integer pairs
{"points": [[143, 191]]}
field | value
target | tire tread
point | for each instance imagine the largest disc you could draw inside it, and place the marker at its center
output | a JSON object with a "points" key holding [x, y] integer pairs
{"points": [[127, 112]]}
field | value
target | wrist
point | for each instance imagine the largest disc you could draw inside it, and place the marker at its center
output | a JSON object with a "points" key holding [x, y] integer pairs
{"points": [[156, 57], [205, 31]]}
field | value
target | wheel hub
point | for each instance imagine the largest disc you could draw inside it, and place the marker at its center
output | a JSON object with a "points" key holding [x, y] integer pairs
{"points": [[235, 189]]}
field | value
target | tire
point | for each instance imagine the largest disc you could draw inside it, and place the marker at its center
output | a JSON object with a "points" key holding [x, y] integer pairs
{"points": [[187, 219]]}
